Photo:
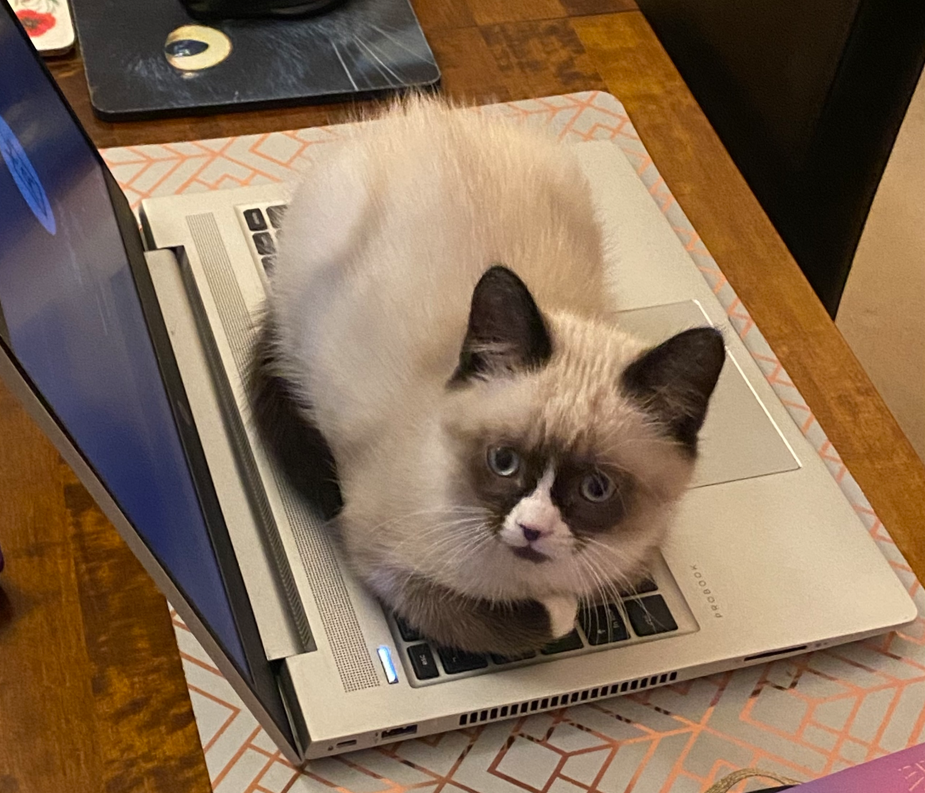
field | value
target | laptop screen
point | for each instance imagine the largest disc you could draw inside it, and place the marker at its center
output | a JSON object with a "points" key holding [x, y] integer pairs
{"points": [[71, 315]]}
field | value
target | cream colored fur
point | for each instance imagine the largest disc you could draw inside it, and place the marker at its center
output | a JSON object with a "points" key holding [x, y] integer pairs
{"points": [[383, 244]]}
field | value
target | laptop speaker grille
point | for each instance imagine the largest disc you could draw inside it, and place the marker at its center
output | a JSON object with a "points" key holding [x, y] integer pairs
{"points": [[575, 698], [224, 292], [315, 548]]}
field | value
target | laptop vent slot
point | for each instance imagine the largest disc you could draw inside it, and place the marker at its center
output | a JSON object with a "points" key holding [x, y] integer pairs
{"points": [[338, 617], [565, 700]]}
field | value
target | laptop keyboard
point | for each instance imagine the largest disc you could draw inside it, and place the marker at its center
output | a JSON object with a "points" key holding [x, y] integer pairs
{"points": [[262, 225], [640, 615]]}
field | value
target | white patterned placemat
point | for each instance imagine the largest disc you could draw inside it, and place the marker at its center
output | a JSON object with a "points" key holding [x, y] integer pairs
{"points": [[802, 717]]}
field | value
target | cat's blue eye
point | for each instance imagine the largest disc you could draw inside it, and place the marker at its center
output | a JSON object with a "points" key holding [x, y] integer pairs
{"points": [[503, 460], [597, 487]]}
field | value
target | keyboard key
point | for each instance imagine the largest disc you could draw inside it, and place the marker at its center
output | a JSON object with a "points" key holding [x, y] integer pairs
{"points": [[268, 262], [602, 625], [510, 659], [408, 633], [423, 663], [254, 220], [650, 616], [276, 215], [264, 243], [642, 588], [572, 641], [456, 661]]}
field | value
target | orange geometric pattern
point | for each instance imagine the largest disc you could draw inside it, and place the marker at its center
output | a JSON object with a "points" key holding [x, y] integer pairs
{"points": [[801, 717]]}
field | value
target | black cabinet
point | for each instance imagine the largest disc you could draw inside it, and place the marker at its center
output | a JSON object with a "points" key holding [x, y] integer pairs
{"points": [[807, 96]]}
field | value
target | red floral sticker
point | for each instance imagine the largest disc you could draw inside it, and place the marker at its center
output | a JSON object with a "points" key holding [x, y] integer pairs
{"points": [[35, 22]]}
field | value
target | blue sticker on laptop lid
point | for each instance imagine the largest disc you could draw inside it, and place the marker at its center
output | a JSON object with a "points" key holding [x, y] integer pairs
{"points": [[25, 177]]}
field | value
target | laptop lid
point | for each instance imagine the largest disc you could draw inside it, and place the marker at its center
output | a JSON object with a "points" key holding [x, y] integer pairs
{"points": [[81, 329]]}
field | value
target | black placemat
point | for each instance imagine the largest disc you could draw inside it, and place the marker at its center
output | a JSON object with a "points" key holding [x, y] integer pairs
{"points": [[360, 47]]}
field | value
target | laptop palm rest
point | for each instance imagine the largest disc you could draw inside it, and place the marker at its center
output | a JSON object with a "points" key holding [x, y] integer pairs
{"points": [[739, 440]]}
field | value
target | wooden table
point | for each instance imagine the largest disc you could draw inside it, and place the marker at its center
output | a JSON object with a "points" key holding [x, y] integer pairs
{"points": [[92, 696]]}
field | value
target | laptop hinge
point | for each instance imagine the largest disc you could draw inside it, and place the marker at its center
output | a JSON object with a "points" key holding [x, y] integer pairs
{"points": [[281, 621]]}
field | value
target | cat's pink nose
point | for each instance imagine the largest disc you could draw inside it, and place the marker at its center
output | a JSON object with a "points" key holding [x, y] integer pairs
{"points": [[531, 534]]}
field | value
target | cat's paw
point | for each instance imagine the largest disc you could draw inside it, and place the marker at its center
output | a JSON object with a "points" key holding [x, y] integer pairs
{"points": [[562, 610]]}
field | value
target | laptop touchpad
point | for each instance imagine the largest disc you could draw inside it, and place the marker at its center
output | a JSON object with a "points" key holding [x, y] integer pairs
{"points": [[738, 440]]}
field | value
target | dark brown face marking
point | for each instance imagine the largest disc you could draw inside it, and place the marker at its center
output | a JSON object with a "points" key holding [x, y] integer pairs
{"points": [[500, 494], [530, 555], [586, 517]]}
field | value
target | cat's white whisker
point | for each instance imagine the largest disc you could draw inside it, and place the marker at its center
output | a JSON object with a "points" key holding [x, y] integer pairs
{"points": [[463, 550], [444, 532], [608, 588], [615, 596], [427, 512], [595, 562], [459, 547]]}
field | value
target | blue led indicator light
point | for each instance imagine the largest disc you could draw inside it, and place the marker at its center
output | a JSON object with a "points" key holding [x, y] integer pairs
{"points": [[385, 655]]}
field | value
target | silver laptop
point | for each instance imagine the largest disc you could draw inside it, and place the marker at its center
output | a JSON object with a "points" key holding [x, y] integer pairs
{"points": [[133, 358]]}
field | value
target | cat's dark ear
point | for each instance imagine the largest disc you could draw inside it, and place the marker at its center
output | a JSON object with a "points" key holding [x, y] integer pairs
{"points": [[674, 381], [506, 330]]}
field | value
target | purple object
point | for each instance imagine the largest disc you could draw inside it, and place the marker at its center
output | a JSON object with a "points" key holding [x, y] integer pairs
{"points": [[901, 772]]}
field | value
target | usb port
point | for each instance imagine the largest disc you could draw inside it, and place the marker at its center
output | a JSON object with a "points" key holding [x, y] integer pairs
{"points": [[411, 729], [351, 742]]}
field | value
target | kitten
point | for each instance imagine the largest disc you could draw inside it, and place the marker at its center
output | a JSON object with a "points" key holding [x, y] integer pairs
{"points": [[439, 313]]}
